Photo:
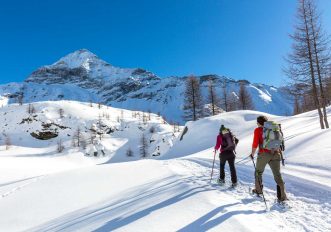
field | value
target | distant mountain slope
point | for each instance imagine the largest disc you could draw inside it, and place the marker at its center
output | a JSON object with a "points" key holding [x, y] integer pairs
{"points": [[83, 76]]}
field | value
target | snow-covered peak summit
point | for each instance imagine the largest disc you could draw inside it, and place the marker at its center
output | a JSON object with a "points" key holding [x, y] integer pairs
{"points": [[80, 58], [81, 67]]}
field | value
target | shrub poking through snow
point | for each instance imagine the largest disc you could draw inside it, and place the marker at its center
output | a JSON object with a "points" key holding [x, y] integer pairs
{"points": [[143, 146], [60, 146], [129, 152]]}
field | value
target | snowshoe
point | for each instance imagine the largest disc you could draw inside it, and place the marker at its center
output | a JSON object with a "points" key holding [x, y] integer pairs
{"points": [[254, 192], [282, 204], [220, 181]]}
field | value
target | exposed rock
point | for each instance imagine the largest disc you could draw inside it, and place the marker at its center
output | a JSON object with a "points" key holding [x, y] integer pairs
{"points": [[44, 135]]}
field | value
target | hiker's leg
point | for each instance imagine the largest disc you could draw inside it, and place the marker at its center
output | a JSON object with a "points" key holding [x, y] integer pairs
{"points": [[274, 164], [232, 169], [261, 162], [222, 165]]}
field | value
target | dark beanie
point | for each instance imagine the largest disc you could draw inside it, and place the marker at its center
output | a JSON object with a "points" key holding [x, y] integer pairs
{"points": [[222, 128], [261, 119]]}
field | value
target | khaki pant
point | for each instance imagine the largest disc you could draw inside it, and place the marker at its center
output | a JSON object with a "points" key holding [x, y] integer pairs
{"points": [[273, 159]]}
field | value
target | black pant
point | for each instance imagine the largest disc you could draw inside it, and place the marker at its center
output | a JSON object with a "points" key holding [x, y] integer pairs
{"points": [[230, 157]]}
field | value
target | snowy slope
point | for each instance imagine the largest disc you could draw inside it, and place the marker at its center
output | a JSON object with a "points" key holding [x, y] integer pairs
{"points": [[83, 76], [172, 193], [297, 130], [119, 130]]}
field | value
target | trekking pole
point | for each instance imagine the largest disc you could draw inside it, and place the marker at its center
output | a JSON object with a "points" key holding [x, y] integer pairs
{"points": [[212, 170], [282, 157], [243, 159], [259, 180], [244, 162]]}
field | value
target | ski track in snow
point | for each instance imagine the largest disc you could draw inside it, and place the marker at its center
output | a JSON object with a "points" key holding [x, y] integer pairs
{"points": [[18, 185], [304, 214]]}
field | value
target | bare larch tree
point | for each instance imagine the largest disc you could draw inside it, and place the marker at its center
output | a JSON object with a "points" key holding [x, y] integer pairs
{"points": [[245, 100], [225, 96], [213, 99], [143, 146], [309, 60], [193, 103]]}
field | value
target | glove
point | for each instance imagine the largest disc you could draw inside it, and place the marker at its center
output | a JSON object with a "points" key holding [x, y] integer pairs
{"points": [[252, 156]]}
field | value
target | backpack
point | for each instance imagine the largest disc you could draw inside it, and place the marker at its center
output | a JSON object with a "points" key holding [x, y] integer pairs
{"points": [[273, 137], [229, 141]]}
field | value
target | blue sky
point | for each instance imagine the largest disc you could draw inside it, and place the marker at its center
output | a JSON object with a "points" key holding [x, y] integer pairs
{"points": [[242, 39]]}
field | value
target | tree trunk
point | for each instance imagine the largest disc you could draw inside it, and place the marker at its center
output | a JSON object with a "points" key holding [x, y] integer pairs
{"points": [[312, 72], [193, 101], [325, 116], [212, 100], [225, 96]]}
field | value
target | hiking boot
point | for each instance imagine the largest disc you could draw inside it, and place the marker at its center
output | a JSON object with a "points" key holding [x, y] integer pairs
{"points": [[281, 194], [220, 181], [282, 200], [254, 191], [234, 185]]}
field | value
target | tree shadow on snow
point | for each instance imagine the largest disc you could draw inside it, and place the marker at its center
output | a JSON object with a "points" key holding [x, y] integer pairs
{"points": [[204, 223], [128, 206]]}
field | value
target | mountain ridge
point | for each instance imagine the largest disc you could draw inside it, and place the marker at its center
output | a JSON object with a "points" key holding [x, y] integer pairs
{"points": [[82, 75]]}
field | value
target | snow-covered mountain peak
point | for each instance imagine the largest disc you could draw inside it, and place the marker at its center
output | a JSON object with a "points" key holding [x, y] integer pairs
{"points": [[80, 67], [87, 70], [80, 58]]}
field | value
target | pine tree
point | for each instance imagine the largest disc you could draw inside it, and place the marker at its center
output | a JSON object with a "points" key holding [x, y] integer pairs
{"points": [[193, 104]]}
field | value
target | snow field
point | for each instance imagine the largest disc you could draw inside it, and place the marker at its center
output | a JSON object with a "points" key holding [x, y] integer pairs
{"points": [[44, 191]]}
